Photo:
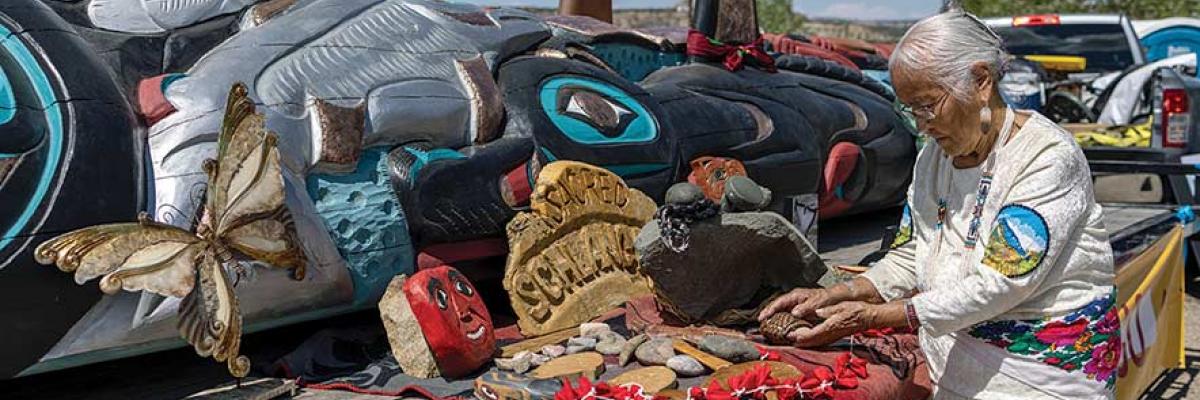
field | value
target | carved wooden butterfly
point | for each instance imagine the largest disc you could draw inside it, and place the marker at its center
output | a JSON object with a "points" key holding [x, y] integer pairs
{"points": [[243, 212]]}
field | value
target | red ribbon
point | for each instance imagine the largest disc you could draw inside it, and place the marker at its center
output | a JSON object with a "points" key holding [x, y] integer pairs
{"points": [[734, 56]]}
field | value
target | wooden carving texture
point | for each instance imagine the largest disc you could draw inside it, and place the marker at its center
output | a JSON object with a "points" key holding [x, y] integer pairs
{"points": [[572, 258], [264, 11], [487, 106], [737, 22], [341, 131]]}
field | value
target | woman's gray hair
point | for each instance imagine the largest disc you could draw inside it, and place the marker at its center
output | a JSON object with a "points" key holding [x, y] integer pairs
{"points": [[944, 47]]}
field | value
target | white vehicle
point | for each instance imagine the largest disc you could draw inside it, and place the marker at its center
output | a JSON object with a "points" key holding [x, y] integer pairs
{"points": [[1108, 42]]}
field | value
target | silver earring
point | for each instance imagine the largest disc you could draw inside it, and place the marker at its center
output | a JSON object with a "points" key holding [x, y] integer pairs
{"points": [[985, 119]]}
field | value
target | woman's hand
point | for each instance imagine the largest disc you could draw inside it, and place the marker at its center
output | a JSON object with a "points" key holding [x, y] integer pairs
{"points": [[800, 302], [841, 320]]}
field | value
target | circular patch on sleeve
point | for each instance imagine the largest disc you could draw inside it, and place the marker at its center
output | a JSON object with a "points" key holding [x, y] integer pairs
{"points": [[905, 232], [1018, 241]]}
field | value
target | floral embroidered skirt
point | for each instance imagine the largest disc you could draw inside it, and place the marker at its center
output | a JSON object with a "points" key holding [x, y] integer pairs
{"points": [[1087, 339]]}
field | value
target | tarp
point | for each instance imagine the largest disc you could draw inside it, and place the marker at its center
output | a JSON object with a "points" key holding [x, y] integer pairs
{"points": [[1150, 292], [1126, 98]]}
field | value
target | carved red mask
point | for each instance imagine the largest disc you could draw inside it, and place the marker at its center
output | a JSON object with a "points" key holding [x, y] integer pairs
{"points": [[456, 324]]}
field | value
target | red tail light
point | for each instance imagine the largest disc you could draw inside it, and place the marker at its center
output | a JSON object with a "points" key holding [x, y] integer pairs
{"points": [[1037, 19], [1176, 118]]}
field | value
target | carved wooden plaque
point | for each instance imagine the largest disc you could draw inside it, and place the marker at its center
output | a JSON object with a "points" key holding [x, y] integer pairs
{"points": [[571, 257]]}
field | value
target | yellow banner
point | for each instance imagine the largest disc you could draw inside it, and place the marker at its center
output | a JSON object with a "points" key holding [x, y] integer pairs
{"points": [[1150, 294]]}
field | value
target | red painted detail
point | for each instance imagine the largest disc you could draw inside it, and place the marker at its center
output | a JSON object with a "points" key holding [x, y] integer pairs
{"points": [[843, 158], [515, 187], [884, 49], [786, 45], [152, 103], [710, 173], [452, 316], [450, 253]]}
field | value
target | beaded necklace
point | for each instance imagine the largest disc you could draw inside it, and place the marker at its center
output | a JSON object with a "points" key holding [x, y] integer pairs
{"points": [[981, 194]]}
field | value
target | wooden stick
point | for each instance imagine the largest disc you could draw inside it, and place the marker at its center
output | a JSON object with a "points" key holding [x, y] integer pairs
{"points": [[712, 362], [536, 343]]}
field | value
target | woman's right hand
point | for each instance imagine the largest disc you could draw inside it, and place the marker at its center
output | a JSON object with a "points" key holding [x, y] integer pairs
{"points": [[800, 302]]}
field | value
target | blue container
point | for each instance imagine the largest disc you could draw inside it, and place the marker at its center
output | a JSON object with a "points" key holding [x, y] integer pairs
{"points": [[1171, 41]]}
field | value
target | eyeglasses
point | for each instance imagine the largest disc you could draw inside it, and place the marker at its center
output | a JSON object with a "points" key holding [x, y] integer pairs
{"points": [[926, 112]]}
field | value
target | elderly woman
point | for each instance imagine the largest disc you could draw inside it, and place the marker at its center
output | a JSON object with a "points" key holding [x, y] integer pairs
{"points": [[1002, 262]]}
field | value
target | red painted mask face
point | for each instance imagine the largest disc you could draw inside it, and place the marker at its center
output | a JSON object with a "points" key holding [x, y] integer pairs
{"points": [[456, 324]]}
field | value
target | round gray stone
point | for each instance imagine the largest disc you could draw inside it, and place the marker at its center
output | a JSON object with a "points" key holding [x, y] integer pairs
{"points": [[655, 351], [742, 194], [519, 363], [586, 342], [685, 365], [593, 329], [610, 343], [683, 193], [554, 351], [729, 349]]}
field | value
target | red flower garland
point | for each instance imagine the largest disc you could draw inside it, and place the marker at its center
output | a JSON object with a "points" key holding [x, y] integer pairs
{"points": [[822, 383]]}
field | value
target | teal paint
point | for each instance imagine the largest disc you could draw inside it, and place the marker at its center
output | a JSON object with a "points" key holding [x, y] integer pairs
{"points": [[626, 170], [426, 157], [551, 158], [642, 129], [365, 221], [168, 80], [622, 170], [8, 103], [635, 62], [47, 99]]}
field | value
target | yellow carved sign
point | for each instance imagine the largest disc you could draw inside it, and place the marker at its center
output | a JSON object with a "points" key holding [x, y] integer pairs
{"points": [[571, 258]]}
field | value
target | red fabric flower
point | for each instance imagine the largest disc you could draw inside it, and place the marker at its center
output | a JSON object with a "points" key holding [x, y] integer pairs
{"points": [[766, 354], [850, 366], [588, 391], [734, 56], [819, 384], [1062, 334]]}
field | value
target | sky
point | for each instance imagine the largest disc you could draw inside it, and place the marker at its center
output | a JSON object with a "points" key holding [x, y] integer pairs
{"points": [[846, 9]]}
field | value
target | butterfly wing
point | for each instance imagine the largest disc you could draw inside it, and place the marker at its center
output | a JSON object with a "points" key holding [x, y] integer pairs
{"points": [[245, 204], [136, 256], [209, 318]]}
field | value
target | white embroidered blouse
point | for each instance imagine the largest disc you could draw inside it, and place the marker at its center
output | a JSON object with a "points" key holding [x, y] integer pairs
{"points": [[1021, 304]]}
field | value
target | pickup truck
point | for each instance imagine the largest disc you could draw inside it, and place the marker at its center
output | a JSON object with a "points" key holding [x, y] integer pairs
{"points": [[1109, 54], [1163, 97]]}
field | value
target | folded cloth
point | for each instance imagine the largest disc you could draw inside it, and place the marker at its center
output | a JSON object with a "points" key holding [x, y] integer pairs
{"points": [[885, 355], [358, 359]]}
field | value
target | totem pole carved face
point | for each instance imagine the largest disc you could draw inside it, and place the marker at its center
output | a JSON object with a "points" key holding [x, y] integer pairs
{"points": [[455, 322]]}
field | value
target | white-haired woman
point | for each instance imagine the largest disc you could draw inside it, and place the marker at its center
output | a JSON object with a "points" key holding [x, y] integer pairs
{"points": [[1002, 259]]}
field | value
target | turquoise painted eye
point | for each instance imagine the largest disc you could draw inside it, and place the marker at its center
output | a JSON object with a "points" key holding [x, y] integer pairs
{"points": [[593, 112]]}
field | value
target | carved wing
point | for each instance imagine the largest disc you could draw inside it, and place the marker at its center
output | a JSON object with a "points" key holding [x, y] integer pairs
{"points": [[245, 194], [144, 255], [209, 318]]}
